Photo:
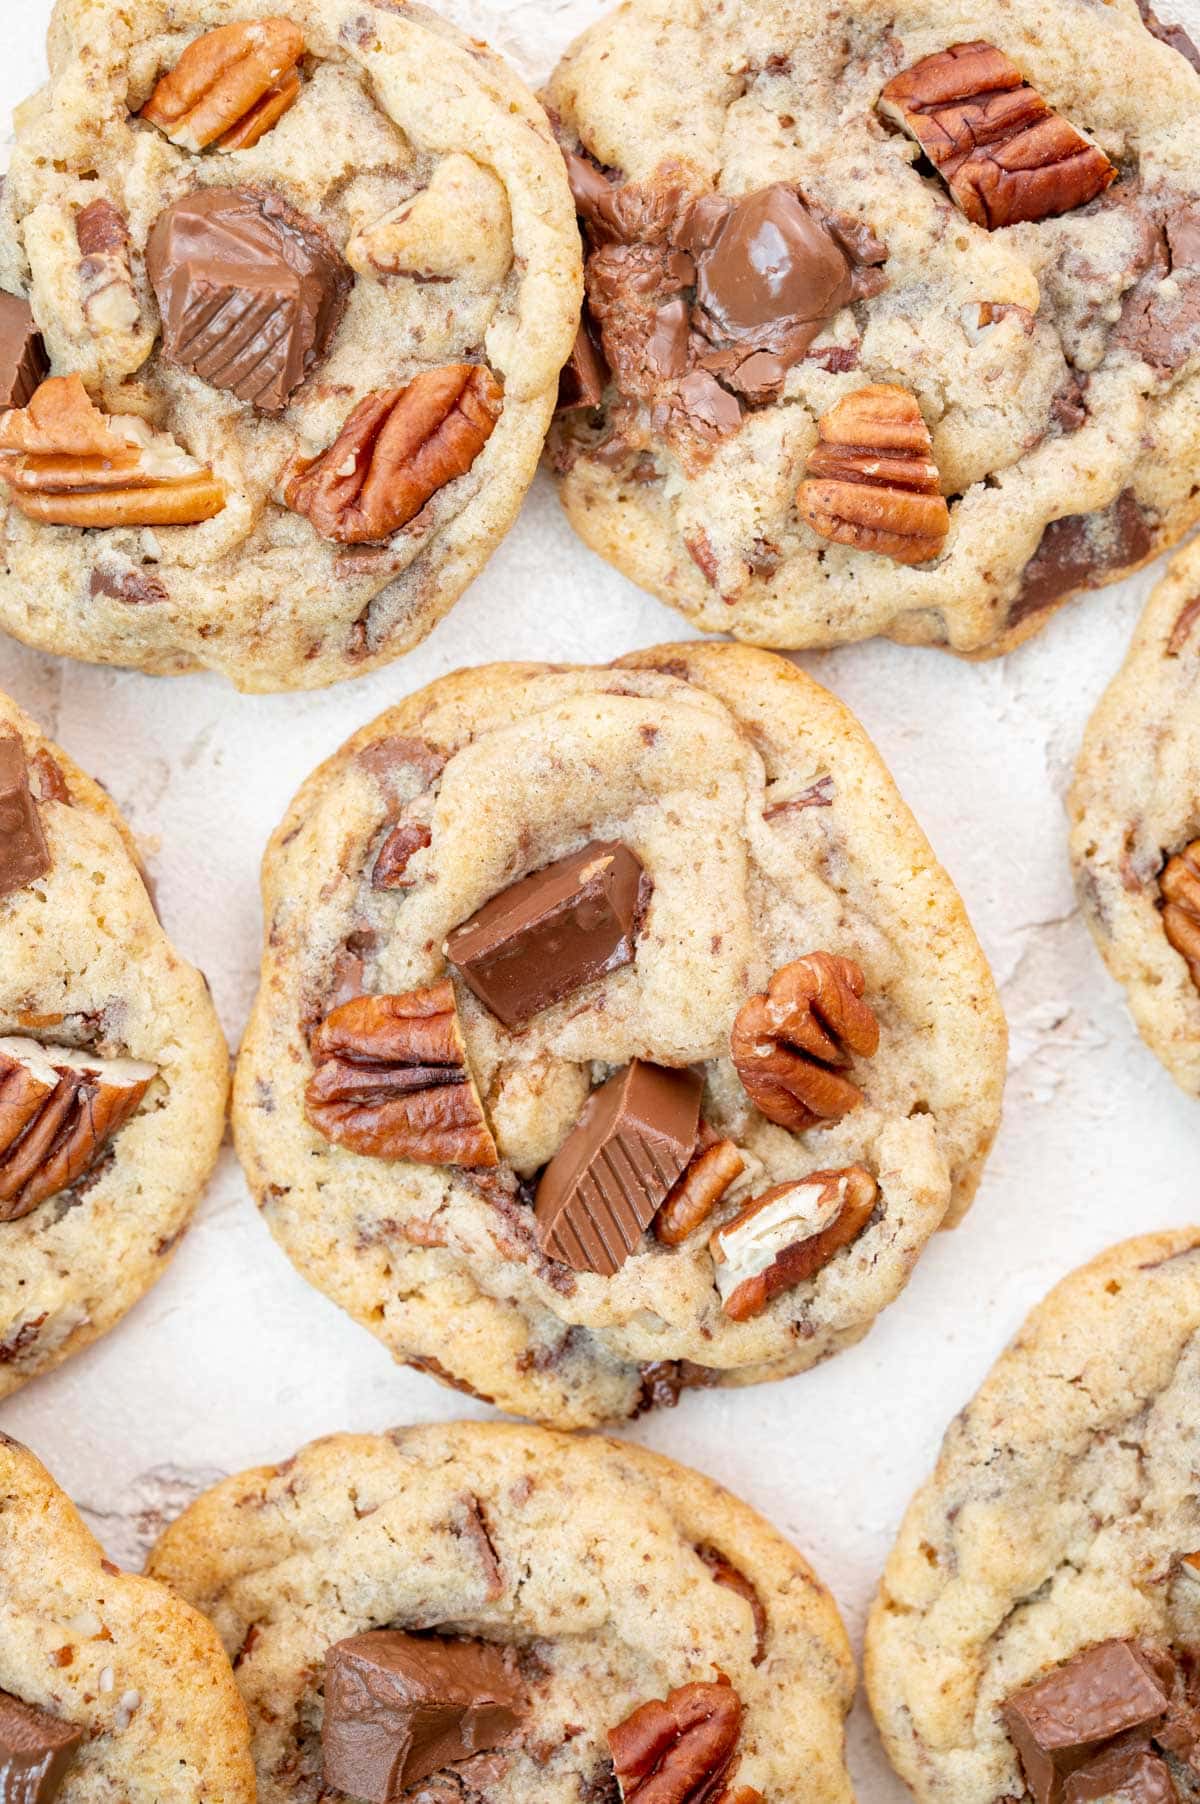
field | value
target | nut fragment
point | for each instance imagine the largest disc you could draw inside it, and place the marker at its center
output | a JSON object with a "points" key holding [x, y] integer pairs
{"points": [[390, 870], [59, 1108], [68, 464], [679, 1750], [396, 450], [105, 277], [1004, 153], [872, 482], [391, 1081], [1180, 886], [713, 1169], [787, 1235], [458, 228], [230, 86], [787, 1042]]}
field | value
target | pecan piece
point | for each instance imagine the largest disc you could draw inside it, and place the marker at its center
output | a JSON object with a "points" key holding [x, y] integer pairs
{"points": [[59, 1109], [872, 482], [714, 1167], [396, 450], [1180, 887], [788, 1235], [1004, 154], [787, 1041], [390, 870], [230, 86], [391, 1081], [68, 464], [105, 276], [678, 1751]]}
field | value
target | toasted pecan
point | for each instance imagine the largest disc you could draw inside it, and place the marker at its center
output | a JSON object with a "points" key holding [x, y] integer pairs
{"points": [[230, 86], [679, 1749], [1179, 886], [872, 482], [59, 1109], [789, 1044], [788, 1235]]}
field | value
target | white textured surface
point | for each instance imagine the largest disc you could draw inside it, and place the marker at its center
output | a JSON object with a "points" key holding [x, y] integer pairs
{"points": [[233, 1360]]}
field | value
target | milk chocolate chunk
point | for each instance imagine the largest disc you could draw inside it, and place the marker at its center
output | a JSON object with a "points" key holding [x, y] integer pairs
{"points": [[1060, 1723], [23, 359], [608, 1179], [770, 266], [36, 1751], [400, 1707], [551, 933], [1081, 551], [24, 856], [251, 292], [1130, 1771]]}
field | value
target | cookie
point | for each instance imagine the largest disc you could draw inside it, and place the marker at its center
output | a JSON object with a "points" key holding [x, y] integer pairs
{"points": [[113, 1068], [543, 1589], [1135, 822], [110, 1686], [1042, 1572], [893, 315], [618, 1032], [300, 281]]}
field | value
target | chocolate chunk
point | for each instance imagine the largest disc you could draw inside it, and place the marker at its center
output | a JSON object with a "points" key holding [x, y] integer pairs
{"points": [[1060, 1723], [608, 1179], [767, 268], [1131, 1772], [552, 932], [399, 1707], [23, 360], [1174, 35], [1080, 551], [584, 376], [1160, 316], [36, 1751], [24, 856], [251, 292]]}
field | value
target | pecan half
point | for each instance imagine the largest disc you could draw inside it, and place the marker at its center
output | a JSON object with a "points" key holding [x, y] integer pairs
{"points": [[59, 1109], [872, 482], [396, 450], [230, 86], [787, 1042], [716, 1166], [1004, 153], [679, 1750], [788, 1235], [68, 464], [1180, 887], [391, 1081], [105, 277]]}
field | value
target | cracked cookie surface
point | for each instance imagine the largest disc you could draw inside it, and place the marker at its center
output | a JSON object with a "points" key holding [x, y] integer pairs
{"points": [[1055, 360], [767, 830]]}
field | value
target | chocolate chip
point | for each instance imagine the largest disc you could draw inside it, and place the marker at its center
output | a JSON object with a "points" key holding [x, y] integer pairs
{"points": [[24, 856], [23, 360], [1060, 1723], [36, 1752], [1081, 551]]}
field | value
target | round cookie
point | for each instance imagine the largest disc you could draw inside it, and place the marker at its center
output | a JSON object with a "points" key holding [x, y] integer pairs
{"points": [[325, 343], [1056, 1523], [1135, 820], [113, 1068], [614, 1576], [833, 295], [556, 1214], [118, 1687]]}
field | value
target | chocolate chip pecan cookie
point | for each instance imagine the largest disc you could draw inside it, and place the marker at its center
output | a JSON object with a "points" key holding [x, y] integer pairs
{"points": [[1037, 1627], [110, 1686], [113, 1069], [1135, 823], [893, 315], [284, 295], [581, 1613], [617, 1032]]}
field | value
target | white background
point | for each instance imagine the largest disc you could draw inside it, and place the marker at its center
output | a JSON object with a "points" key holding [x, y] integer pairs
{"points": [[233, 1360]]}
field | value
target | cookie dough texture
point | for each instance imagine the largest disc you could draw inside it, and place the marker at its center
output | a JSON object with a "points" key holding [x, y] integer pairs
{"points": [[581, 1552], [84, 962], [691, 756], [146, 1678], [1135, 803], [763, 91], [395, 101], [1063, 1495]]}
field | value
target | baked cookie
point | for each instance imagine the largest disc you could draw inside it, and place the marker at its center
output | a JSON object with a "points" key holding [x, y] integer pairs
{"points": [[577, 1605], [894, 312], [301, 277], [113, 1069], [617, 1032], [110, 1686], [1135, 823], [1037, 1626]]}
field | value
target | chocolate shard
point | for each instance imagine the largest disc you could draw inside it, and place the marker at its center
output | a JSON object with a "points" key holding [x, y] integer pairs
{"points": [[1061, 1722], [606, 1182], [36, 1752], [23, 360], [554, 931], [24, 856], [251, 292], [400, 1707]]}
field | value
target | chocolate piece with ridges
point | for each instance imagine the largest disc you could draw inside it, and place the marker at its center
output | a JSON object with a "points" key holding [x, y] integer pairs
{"points": [[36, 1752], [1059, 1723], [59, 1109], [24, 856], [556, 930], [605, 1184], [23, 359], [400, 1707]]}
